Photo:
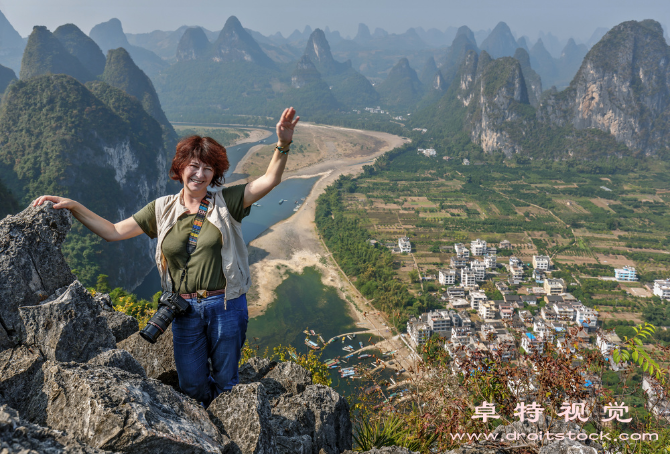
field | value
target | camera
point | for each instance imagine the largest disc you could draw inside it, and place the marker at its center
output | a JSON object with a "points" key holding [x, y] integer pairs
{"points": [[169, 306]]}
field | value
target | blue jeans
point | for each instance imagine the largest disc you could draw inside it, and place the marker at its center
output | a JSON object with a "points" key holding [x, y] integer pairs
{"points": [[209, 331]]}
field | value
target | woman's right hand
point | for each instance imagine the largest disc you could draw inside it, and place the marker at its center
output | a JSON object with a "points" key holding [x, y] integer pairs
{"points": [[59, 202]]}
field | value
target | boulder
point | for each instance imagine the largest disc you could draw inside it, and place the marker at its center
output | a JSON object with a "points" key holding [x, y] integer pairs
{"points": [[286, 377], [156, 359], [70, 328], [243, 414], [108, 408], [255, 369], [120, 359], [570, 447], [123, 326], [20, 373], [20, 437], [31, 264], [294, 426], [332, 426]]}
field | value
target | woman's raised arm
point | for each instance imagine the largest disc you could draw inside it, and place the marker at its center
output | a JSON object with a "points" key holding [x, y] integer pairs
{"points": [[128, 228]]}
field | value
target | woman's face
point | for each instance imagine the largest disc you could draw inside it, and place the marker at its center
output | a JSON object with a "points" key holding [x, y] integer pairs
{"points": [[197, 175]]}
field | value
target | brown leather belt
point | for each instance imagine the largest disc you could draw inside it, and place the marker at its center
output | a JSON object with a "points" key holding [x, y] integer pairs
{"points": [[202, 293]]}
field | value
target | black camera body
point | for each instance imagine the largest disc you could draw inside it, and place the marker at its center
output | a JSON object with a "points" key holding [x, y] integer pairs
{"points": [[169, 306]]}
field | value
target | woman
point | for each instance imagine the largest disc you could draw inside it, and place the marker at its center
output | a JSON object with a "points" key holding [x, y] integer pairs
{"points": [[214, 277]]}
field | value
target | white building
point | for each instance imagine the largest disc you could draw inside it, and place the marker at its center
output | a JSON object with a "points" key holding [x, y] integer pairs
{"points": [[607, 342], [468, 278], [456, 262], [586, 317], [418, 331], [427, 151], [627, 273], [447, 277], [439, 320], [505, 244], [506, 311], [404, 244], [480, 270], [515, 274], [554, 286], [662, 288], [456, 292], [478, 247], [531, 344], [541, 262], [491, 261], [461, 251], [477, 298], [487, 310], [564, 311], [514, 261]]}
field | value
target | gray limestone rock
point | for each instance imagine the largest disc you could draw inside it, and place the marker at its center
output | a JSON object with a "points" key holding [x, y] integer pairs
{"points": [[112, 409], [243, 414], [293, 424], [31, 264], [331, 416], [156, 359], [286, 377], [20, 373], [123, 326], [120, 359], [69, 328], [569, 447], [20, 437], [255, 369]]}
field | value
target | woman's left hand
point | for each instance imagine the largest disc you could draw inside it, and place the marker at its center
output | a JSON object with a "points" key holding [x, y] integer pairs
{"points": [[286, 126]]}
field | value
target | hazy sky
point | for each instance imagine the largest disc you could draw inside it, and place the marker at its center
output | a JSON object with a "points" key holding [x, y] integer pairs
{"points": [[564, 18]]}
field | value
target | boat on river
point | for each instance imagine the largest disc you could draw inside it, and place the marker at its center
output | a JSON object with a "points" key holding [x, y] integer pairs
{"points": [[256, 204], [361, 344], [297, 207], [311, 331], [282, 201], [312, 345]]}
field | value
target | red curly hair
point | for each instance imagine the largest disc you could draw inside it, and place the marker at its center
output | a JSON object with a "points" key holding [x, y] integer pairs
{"points": [[204, 149]]}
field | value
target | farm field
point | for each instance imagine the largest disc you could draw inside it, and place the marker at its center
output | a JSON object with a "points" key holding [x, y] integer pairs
{"points": [[589, 220]]}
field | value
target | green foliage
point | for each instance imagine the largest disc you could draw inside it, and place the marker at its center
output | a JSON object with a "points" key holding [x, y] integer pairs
{"points": [[389, 431], [632, 349]]}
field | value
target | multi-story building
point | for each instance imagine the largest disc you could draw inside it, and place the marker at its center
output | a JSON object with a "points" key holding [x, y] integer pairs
{"points": [[446, 277], [458, 262], [541, 262], [531, 344], [515, 274], [404, 244], [627, 274], [419, 331], [456, 292], [504, 345], [468, 278], [460, 303], [526, 316], [487, 310], [491, 250], [554, 286], [587, 317], [505, 244], [480, 270], [477, 298], [506, 311], [491, 261], [461, 251], [515, 261], [662, 288], [439, 321], [564, 311], [502, 287], [542, 330], [607, 342], [548, 314], [478, 247]]}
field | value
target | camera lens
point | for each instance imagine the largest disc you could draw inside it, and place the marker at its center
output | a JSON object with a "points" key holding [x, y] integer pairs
{"points": [[157, 324]]}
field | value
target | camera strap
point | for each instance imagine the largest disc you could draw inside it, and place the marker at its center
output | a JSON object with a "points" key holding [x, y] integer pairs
{"points": [[195, 232]]}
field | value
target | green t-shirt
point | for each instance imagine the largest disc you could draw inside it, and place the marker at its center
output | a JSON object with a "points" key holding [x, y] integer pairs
{"points": [[204, 268]]}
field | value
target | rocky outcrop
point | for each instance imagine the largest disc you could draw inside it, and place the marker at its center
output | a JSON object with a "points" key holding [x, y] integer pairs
{"points": [[384, 450], [622, 87], [156, 359], [7, 76], [305, 73], [501, 42], [402, 87], [31, 265], [21, 437], [533, 79]]}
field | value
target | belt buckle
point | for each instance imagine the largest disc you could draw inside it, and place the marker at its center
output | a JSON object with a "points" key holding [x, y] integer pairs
{"points": [[201, 293]]}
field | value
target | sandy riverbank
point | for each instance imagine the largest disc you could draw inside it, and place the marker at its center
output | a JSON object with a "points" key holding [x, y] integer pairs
{"points": [[254, 135], [294, 244]]}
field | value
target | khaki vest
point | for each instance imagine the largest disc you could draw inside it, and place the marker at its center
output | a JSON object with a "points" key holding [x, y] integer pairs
{"points": [[234, 255]]}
